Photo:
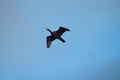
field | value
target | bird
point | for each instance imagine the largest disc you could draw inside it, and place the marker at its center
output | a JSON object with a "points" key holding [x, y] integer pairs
{"points": [[55, 35]]}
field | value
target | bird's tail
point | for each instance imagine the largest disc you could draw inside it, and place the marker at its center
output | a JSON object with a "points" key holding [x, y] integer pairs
{"points": [[61, 39]]}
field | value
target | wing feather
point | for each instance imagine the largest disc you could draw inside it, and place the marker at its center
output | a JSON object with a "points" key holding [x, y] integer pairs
{"points": [[49, 40], [61, 30]]}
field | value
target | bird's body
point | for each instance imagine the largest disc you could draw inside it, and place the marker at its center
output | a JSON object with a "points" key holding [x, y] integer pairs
{"points": [[55, 35]]}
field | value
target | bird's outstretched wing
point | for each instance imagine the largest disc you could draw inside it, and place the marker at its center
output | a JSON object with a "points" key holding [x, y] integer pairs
{"points": [[61, 30], [49, 40]]}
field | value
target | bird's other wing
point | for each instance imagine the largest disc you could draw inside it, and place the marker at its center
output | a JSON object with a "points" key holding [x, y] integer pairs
{"points": [[61, 30], [49, 40]]}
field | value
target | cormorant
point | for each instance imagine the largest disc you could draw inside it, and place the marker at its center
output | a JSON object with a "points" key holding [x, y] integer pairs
{"points": [[55, 35]]}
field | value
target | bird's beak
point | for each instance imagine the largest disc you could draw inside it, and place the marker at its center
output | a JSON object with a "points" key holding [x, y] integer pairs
{"points": [[46, 29]]}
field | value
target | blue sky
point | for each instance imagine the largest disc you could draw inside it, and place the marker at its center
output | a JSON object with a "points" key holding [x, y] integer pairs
{"points": [[91, 50]]}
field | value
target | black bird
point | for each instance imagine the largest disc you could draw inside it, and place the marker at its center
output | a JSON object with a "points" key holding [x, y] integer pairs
{"points": [[55, 35]]}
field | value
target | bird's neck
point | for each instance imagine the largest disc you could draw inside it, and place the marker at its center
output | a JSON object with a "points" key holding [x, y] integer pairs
{"points": [[49, 30]]}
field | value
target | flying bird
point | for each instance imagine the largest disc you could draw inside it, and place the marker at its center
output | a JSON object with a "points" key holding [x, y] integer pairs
{"points": [[55, 35]]}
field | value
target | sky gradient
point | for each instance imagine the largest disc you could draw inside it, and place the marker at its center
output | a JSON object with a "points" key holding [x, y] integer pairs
{"points": [[91, 50]]}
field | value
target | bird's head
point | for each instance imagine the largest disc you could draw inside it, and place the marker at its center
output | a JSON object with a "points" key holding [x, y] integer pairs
{"points": [[47, 29]]}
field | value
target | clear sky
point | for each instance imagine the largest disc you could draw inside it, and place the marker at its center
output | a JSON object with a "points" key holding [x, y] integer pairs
{"points": [[91, 50]]}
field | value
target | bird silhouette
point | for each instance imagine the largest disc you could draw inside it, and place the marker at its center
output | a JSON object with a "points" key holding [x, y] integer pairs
{"points": [[55, 35]]}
